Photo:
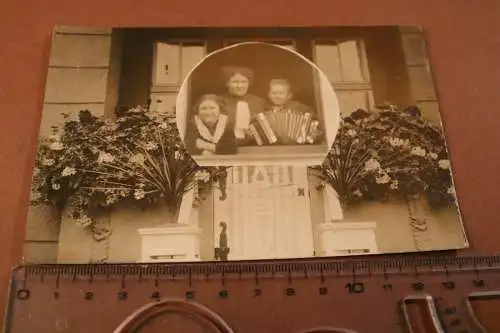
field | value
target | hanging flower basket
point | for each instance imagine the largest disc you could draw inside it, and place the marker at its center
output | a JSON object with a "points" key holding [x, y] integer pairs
{"points": [[388, 152], [92, 163]]}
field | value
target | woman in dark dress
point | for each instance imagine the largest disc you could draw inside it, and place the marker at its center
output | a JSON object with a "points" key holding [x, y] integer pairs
{"points": [[210, 131], [240, 106]]}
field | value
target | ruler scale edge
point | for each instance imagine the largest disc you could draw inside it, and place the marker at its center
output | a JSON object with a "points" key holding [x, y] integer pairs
{"points": [[358, 274]]}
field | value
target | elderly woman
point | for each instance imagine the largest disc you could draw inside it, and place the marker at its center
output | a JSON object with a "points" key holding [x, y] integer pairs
{"points": [[240, 106]]}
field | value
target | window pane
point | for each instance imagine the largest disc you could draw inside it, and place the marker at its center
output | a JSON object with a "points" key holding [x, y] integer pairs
{"points": [[167, 64], [351, 101], [191, 54], [350, 59], [327, 59], [163, 102]]}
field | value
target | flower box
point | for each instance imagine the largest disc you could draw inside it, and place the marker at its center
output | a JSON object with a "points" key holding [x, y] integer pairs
{"points": [[347, 238], [170, 243]]}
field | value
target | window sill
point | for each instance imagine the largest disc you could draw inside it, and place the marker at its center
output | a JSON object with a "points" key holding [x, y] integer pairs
{"points": [[306, 155]]}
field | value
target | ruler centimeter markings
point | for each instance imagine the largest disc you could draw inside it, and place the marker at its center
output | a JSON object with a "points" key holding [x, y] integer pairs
{"points": [[399, 294]]}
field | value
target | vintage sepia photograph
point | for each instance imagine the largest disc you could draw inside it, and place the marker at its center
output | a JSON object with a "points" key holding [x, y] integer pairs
{"points": [[220, 144], [257, 103]]}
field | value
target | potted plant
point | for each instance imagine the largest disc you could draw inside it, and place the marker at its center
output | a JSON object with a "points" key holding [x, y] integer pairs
{"points": [[92, 163], [387, 153]]}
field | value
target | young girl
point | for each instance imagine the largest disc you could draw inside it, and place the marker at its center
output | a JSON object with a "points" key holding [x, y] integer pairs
{"points": [[210, 131]]}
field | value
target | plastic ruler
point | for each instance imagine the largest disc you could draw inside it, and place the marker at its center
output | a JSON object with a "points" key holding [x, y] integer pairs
{"points": [[401, 293]]}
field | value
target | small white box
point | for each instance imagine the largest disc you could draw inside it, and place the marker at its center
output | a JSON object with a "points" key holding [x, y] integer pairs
{"points": [[171, 243], [347, 238]]}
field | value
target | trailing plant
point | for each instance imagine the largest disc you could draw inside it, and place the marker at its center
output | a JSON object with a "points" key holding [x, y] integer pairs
{"points": [[136, 158], [388, 152]]}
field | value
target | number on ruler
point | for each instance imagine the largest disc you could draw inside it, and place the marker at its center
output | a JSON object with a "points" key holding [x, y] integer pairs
{"points": [[387, 287], [122, 295], [478, 283], [223, 294], [190, 294], [418, 286], [290, 292], [89, 295], [355, 287], [450, 310], [156, 295], [257, 292], [449, 284], [323, 290], [23, 294]]}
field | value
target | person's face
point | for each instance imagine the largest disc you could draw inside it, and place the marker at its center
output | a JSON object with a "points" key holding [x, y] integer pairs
{"points": [[279, 94], [238, 85], [208, 112]]}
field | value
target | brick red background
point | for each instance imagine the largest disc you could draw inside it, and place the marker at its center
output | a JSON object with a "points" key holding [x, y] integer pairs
{"points": [[464, 47]]}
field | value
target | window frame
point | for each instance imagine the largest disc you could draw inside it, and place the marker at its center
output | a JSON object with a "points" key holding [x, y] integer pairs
{"points": [[171, 88], [366, 85], [271, 40]]}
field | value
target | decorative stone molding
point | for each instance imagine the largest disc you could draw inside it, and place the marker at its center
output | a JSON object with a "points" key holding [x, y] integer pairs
{"points": [[101, 230], [418, 215], [170, 243], [347, 238]]}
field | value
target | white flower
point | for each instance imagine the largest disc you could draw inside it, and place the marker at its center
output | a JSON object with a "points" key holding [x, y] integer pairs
{"points": [[372, 164], [48, 161], [418, 151], [178, 155], [383, 179], [202, 175], [396, 142], [444, 164], [55, 137], [351, 133], [111, 199], [57, 146], [357, 193], [35, 195], [68, 171], [56, 187], [434, 156], [84, 221], [137, 158], [105, 157], [151, 146], [139, 194], [163, 125], [136, 109], [394, 185]]}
